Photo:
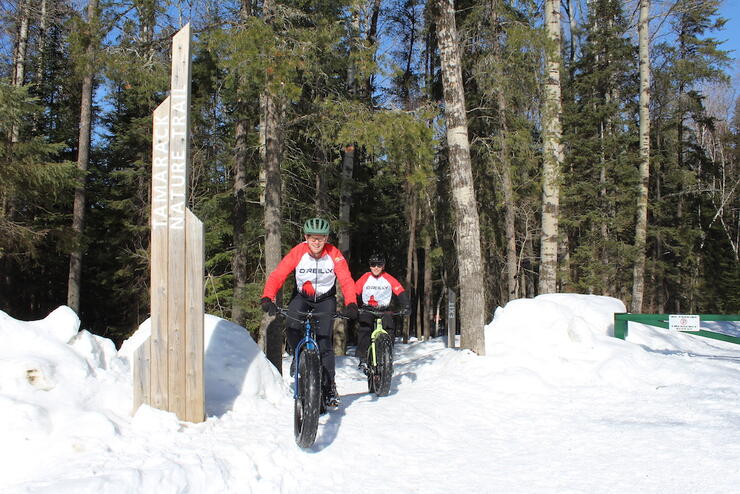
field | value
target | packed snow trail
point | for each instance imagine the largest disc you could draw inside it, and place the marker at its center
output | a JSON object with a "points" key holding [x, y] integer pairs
{"points": [[436, 433]]}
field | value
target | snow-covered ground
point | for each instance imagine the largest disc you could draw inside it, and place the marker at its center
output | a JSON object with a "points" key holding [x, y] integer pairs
{"points": [[556, 406]]}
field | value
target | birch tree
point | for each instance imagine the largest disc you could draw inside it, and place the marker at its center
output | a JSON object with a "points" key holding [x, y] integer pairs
{"points": [[467, 227], [553, 152], [638, 278]]}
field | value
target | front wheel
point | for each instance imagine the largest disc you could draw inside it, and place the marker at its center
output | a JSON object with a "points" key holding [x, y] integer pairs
{"points": [[308, 401], [381, 371]]}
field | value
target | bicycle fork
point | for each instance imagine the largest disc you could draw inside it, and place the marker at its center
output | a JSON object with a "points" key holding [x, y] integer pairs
{"points": [[373, 337], [306, 343]]}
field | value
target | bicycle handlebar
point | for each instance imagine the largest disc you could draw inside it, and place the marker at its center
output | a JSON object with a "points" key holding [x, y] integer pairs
{"points": [[380, 312], [334, 315]]}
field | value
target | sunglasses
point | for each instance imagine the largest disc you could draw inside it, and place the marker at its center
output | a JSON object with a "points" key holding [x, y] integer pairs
{"points": [[376, 264]]}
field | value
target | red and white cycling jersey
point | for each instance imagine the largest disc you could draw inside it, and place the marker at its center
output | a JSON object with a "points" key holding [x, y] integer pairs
{"points": [[377, 292], [314, 277]]}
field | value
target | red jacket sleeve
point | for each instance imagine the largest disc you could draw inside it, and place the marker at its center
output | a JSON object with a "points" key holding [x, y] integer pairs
{"points": [[343, 275], [396, 286], [282, 271]]}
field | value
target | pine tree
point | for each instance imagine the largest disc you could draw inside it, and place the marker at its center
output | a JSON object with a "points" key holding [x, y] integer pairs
{"points": [[33, 181], [119, 182], [502, 60], [694, 59], [600, 196], [89, 39]]}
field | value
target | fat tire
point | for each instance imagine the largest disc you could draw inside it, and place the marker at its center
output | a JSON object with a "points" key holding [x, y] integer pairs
{"points": [[308, 403], [379, 381]]}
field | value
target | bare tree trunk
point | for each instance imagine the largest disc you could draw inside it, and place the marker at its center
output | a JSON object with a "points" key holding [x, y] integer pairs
{"points": [[603, 227], [41, 49], [271, 338], [345, 198], [19, 58], [638, 276], [21, 45], [345, 206], [41, 43], [270, 150], [564, 282], [553, 153], [353, 38], [470, 262], [411, 208], [239, 261], [428, 302], [418, 300], [506, 183], [321, 202], [83, 158], [529, 285], [371, 41], [657, 281]]}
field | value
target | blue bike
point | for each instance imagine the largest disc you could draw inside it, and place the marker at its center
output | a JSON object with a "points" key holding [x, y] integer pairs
{"points": [[307, 393]]}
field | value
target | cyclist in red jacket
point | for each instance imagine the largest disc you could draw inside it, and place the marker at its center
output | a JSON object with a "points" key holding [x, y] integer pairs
{"points": [[317, 267], [375, 290]]}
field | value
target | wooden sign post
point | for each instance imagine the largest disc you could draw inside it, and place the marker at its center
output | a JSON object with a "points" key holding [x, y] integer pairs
{"points": [[168, 367], [451, 318]]}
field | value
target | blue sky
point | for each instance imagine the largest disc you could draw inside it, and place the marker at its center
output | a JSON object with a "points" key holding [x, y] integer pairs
{"points": [[731, 11]]}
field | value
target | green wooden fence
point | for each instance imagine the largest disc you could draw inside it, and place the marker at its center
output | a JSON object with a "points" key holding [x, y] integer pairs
{"points": [[661, 321]]}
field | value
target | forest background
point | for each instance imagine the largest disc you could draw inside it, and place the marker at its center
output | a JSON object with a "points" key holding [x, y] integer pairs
{"points": [[335, 108]]}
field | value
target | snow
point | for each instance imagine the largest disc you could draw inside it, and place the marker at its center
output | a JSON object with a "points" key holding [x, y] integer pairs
{"points": [[557, 405]]}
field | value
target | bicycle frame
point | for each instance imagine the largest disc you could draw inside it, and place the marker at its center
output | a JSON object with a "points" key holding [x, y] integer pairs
{"points": [[307, 385], [378, 329], [308, 342]]}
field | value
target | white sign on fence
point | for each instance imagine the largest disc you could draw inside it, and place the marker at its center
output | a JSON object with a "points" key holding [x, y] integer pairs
{"points": [[683, 322]]}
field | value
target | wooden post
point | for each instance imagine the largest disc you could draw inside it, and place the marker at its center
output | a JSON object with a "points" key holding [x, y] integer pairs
{"points": [[451, 318], [159, 248], [168, 367], [178, 177], [194, 350]]}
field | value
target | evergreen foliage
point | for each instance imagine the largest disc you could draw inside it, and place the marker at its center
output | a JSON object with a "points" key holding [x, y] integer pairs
{"points": [[600, 122]]}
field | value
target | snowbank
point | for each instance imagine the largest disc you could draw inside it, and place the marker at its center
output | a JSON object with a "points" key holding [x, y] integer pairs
{"points": [[236, 371], [568, 339], [62, 389]]}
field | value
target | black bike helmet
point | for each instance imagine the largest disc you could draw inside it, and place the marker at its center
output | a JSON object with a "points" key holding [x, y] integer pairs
{"points": [[377, 259], [316, 226]]}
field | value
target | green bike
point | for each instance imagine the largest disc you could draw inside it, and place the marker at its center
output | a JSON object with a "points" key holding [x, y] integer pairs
{"points": [[379, 355]]}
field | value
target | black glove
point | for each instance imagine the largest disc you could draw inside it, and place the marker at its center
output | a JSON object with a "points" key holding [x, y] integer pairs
{"points": [[351, 311], [268, 306]]}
